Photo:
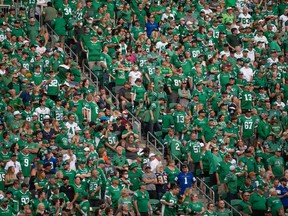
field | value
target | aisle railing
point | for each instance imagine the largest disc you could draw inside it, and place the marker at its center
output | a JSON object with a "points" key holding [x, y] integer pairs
{"points": [[155, 143], [208, 191]]}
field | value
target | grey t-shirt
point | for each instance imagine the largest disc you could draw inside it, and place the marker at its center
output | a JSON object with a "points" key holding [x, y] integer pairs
{"points": [[149, 176]]}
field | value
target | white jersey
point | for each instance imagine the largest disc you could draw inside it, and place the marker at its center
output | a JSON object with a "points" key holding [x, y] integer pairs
{"points": [[42, 112], [240, 4], [262, 39], [284, 19], [134, 75], [71, 129], [240, 55], [251, 55], [271, 61], [246, 19], [247, 73]]}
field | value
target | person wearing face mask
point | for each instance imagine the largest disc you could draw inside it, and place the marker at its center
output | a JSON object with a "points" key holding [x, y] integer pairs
{"points": [[124, 181]]}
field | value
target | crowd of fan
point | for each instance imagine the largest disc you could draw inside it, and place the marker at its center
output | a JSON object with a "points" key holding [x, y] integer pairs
{"points": [[208, 79]]}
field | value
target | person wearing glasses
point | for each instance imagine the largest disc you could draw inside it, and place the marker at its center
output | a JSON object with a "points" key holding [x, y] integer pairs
{"points": [[185, 179], [210, 210], [245, 206]]}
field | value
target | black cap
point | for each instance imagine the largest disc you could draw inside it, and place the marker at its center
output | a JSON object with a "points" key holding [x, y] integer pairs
{"points": [[47, 164], [202, 111], [65, 178]]}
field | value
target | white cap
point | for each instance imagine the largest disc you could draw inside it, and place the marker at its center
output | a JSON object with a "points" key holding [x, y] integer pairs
{"points": [[233, 161], [46, 117], [152, 155], [34, 114], [232, 167], [189, 23], [86, 149], [16, 113], [201, 144], [25, 41]]}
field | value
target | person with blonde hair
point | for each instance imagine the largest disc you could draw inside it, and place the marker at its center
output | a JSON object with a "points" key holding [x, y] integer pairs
{"points": [[124, 201]]}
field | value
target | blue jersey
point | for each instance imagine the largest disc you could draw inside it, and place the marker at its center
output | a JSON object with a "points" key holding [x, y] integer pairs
{"points": [[280, 192], [53, 161], [185, 180]]}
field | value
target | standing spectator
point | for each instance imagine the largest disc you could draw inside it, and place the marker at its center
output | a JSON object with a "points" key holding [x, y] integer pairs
{"points": [[282, 192], [150, 180], [142, 201], [185, 179]]}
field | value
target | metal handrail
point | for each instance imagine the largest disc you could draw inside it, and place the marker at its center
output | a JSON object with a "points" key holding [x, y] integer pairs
{"points": [[115, 100], [179, 162], [234, 211], [91, 76], [208, 191], [150, 144], [155, 142], [136, 123], [72, 54]]}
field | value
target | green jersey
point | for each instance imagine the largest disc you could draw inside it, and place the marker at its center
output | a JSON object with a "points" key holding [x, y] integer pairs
{"points": [[80, 190], [25, 161], [170, 198], [214, 161], [250, 163], [58, 113], [85, 208], [135, 178], [139, 92], [194, 148], [71, 175], [248, 125], [175, 146], [223, 170], [277, 164], [93, 184], [6, 211], [23, 198], [142, 200], [246, 98], [258, 202], [174, 82], [275, 204], [2, 179], [53, 87], [244, 207], [200, 124], [114, 193], [179, 119], [231, 181], [112, 140]]}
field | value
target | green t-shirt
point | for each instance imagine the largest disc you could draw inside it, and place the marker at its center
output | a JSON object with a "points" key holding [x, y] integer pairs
{"points": [[231, 181], [276, 164], [142, 200], [170, 198]]}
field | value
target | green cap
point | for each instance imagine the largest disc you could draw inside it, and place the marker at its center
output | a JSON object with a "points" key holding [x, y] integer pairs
{"points": [[141, 184], [65, 163], [53, 176], [54, 187], [133, 165], [114, 178]]}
